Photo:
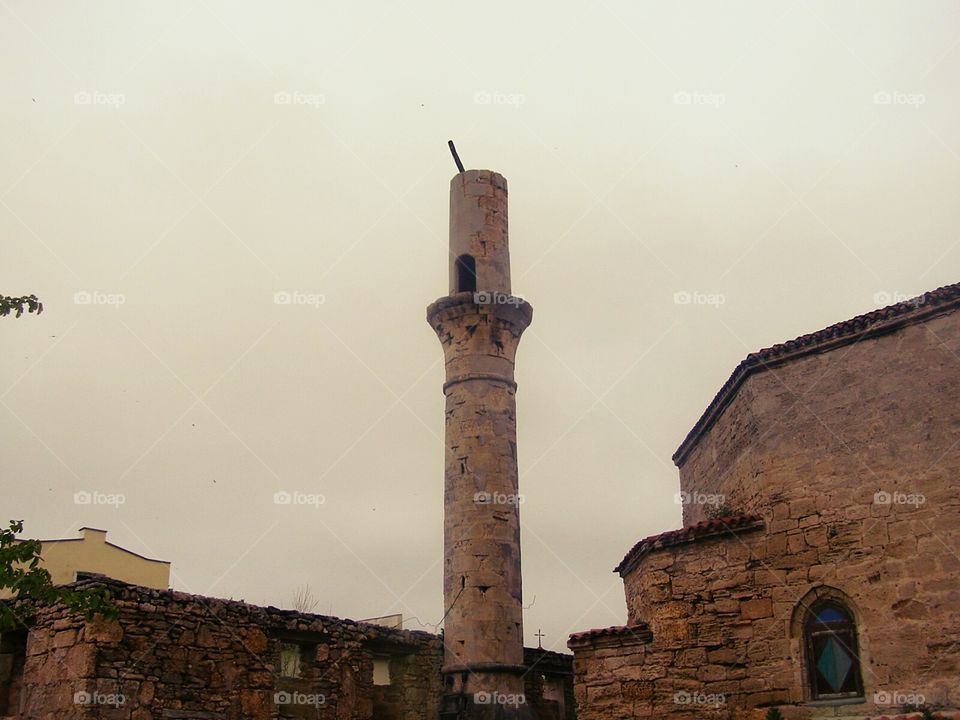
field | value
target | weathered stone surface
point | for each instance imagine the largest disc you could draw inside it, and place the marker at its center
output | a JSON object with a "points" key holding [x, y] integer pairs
{"points": [[230, 670], [479, 325], [835, 451], [233, 673]]}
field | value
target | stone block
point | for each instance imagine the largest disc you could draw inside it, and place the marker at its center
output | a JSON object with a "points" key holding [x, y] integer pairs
{"points": [[726, 656], [756, 608], [693, 657], [816, 536], [802, 507]]}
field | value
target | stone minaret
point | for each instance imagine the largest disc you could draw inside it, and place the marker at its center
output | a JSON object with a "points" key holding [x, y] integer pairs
{"points": [[479, 325]]}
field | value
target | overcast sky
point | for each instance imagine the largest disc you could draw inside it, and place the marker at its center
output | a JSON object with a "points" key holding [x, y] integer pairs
{"points": [[167, 168]]}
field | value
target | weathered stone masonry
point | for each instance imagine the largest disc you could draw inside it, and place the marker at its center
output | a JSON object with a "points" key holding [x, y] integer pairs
{"points": [[174, 655], [479, 324], [838, 455]]}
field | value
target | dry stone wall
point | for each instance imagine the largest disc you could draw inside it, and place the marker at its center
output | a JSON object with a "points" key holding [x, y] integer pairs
{"points": [[173, 655]]}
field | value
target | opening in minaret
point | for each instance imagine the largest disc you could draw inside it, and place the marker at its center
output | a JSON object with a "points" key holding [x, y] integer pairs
{"points": [[466, 274]]}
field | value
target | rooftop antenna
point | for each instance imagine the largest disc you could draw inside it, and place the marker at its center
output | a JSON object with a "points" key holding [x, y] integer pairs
{"points": [[456, 158]]}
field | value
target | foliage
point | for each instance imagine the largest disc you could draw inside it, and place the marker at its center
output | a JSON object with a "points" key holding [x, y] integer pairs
{"points": [[774, 714], [20, 572], [19, 305]]}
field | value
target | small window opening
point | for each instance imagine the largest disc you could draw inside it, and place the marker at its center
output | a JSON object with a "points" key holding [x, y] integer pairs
{"points": [[381, 670], [291, 660], [466, 274]]}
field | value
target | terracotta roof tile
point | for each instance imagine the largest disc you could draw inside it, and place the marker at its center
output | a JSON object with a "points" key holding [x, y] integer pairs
{"points": [[641, 631], [727, 525], [871, 323]]}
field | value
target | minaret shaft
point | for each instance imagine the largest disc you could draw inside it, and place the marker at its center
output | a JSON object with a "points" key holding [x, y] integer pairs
{"points": [[479, 325]]}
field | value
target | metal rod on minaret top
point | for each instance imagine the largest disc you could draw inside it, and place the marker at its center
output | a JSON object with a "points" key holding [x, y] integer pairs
{"points": [[456, 158]]}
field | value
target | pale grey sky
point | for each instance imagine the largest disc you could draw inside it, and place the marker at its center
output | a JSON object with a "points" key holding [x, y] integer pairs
{"points": [[787, 164]]}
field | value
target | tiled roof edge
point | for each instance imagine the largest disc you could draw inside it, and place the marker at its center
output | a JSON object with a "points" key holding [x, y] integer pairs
{"points": [[875, 322], [727, 525], [638, 633]]}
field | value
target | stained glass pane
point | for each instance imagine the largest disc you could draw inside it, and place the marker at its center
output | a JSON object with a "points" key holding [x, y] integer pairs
{"points": [[831, 644], [830, 614], [833, 663]]}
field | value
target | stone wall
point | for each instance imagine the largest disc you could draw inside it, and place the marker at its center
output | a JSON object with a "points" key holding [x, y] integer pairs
{"points": [[730, 609], [174, 655], [714, 631]]}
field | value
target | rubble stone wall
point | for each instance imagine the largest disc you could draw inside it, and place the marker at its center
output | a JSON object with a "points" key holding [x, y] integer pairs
{"points": [[172, 655]]}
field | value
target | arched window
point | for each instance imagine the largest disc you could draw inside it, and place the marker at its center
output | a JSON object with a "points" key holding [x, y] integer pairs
{"points": [[833, 661], [466, 274]]}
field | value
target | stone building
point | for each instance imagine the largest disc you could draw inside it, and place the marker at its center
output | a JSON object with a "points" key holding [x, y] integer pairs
{"points": [[817, 571], [174, 655]]}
